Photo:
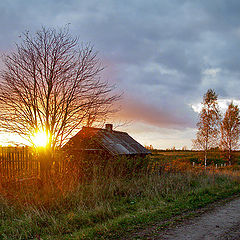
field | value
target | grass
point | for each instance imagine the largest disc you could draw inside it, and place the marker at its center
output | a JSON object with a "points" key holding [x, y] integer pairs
{"points": [[111, 204]]}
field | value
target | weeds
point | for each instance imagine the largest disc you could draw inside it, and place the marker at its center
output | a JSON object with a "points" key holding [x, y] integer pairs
{"points": [[115, 197]]}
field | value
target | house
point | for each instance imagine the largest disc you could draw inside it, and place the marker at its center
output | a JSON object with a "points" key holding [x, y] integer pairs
{"points": [[105, 141]]}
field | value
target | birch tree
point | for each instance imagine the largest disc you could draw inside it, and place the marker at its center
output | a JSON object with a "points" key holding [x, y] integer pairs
{"points": [[208, 124], [230, 130]]}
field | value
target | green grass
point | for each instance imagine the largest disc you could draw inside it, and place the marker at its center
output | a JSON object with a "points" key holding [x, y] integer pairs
{"points": [[109, 207]]}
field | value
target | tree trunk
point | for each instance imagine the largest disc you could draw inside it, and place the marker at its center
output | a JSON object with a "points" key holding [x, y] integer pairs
{"points": [[205, 159], [45, 158]]}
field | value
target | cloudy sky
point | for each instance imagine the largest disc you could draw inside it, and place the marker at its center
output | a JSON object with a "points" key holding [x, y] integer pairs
{"points": [[163, 55]]}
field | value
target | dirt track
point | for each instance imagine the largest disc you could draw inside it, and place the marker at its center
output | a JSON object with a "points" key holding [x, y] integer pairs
{"points": [[221, 222]]}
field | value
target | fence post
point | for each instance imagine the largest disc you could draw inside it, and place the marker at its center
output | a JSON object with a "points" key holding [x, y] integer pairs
{"points": [[16, 163]]}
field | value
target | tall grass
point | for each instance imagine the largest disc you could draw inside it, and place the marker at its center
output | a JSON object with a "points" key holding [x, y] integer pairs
{"points": [[117, 189]]}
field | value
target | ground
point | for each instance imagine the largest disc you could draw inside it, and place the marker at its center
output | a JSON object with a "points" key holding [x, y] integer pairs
{"points": [[131, 198], [217, 221]]}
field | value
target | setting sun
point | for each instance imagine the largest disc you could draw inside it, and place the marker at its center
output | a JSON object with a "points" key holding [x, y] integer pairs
{"points": [[40, 139]]}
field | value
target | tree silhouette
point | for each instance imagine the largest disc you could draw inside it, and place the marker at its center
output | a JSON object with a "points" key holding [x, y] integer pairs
{"points": [[52, 83]]}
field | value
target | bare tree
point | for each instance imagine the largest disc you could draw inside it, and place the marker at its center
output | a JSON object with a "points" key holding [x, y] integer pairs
{"points": [[230, 130], [52, 83], [208, 125]]}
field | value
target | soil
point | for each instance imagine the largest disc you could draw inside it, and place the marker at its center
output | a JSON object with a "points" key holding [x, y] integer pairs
{"points": [[217, 221]]}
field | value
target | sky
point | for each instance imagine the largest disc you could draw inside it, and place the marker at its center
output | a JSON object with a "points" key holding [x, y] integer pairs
{"points": [[163, 55]]}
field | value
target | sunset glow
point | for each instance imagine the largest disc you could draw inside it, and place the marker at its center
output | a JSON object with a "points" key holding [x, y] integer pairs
{"points": [[162, 91], [40, 139]]}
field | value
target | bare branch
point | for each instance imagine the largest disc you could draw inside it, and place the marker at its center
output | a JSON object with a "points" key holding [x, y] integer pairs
{"points": [[51, 83]]}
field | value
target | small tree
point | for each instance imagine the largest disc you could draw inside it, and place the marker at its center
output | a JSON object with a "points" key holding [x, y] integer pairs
{"points": [[230, 130], [208, 125], [184, 148]]}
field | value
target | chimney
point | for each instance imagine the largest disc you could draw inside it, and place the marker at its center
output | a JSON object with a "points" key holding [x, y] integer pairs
{"points": [[109, 127]]}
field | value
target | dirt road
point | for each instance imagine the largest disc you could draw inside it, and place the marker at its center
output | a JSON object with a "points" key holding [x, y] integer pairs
{"points": [[221, 222]]}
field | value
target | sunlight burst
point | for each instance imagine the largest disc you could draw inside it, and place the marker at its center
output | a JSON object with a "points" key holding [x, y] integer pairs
{"points": [[40, 139]]}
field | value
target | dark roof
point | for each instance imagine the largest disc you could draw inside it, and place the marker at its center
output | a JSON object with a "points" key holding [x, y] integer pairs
{"points": [[115, 142]]}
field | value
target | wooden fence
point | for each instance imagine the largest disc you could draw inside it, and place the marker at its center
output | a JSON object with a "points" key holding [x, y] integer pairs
{"points": [[18, 163]]}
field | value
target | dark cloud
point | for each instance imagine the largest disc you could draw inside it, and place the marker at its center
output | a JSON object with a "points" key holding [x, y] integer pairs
{"points": [[157, 51]]}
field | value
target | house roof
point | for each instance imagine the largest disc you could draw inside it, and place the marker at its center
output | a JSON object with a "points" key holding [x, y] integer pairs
{"points": [[115, 142]]}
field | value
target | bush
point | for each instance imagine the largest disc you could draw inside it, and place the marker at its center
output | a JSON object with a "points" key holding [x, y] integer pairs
{"points": [[87, 167]]}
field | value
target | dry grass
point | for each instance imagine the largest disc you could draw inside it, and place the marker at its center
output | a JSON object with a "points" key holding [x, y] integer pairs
{"points": [[121, 189]]}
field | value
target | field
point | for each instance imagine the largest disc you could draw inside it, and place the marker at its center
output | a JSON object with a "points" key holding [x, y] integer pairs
{"points": [[116, 200], [214, 157]]}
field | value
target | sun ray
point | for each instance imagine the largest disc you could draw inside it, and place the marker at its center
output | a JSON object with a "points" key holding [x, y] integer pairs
{"points": [[40, 139]]}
